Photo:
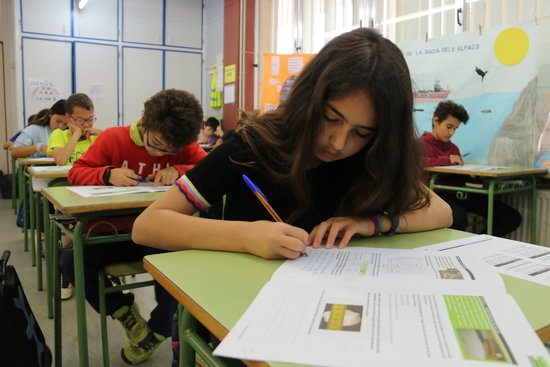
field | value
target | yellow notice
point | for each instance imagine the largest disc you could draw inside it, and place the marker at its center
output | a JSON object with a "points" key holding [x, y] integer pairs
{"points": [[230, 72]]}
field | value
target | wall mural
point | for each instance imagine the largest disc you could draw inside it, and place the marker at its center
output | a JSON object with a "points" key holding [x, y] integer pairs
{"points": [[493, 74]]}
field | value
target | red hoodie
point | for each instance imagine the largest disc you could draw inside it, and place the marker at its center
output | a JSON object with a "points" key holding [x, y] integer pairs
{"points": [[437, 153], [121, 146]]}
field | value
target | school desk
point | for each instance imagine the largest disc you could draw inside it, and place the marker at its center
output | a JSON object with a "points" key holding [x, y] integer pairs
{"points": [[217, 287], [22, 183], [495, 182], [35, 214], [86, 209]]}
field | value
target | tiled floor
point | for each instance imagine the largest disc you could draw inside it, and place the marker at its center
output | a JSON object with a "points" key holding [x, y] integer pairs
{"points": [[13, 241]]}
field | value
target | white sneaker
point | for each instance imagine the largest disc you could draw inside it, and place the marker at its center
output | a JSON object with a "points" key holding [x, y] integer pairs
{"points": [[66, 290]]}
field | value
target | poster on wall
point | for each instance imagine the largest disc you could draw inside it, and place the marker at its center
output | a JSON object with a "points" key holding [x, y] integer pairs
{"points": [[279, 75], [44, 90], [492, 73]]}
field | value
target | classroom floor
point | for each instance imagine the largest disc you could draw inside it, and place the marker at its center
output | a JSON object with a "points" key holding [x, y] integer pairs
{"points": [[13, 241]]}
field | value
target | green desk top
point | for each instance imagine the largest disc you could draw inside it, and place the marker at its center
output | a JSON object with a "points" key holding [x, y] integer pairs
{"points": [[500, 173], [224, 284], [68, 201]]}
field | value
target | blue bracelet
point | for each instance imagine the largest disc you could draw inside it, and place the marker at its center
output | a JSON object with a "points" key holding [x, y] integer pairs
{"points": [[394, 225], [378, 225]]}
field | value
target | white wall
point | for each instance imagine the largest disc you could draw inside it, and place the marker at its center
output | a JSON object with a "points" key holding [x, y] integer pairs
{"points": [[97, 37], [213, 48]]}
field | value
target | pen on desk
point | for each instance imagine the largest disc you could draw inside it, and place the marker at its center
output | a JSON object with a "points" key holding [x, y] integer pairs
{"points": [[141, 179], [263, 199]]}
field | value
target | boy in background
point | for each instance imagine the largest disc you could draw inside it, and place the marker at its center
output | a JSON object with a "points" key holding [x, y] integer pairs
{"points": [[440, 151], [66, 146], [160, 147], [210, 132]]}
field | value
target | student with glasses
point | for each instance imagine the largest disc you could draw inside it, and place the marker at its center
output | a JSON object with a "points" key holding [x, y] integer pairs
{"points": [[66, 146], [160, 147]]}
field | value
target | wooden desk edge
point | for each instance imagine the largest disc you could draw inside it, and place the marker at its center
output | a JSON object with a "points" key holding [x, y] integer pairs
{"points": [[95, 207], [544, 334], [195, 309]]}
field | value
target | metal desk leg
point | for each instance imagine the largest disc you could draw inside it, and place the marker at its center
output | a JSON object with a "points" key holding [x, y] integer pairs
{"points": [[14, 184], [191, 343], [32, 223], [48, 241], [490, 207], [187, 355], [56, 293], [23, 199], [78, 256], [534, 219], [38, 239]]}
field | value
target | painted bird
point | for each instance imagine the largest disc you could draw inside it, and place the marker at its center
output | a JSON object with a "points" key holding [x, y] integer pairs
{"points": [[481, 73]]}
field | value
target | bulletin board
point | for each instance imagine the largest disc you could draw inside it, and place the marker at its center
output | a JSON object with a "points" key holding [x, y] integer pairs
{"points": [[279, 74]]}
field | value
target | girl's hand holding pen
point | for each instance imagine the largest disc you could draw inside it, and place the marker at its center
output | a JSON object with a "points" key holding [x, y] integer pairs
{"points": [[274, 240]]}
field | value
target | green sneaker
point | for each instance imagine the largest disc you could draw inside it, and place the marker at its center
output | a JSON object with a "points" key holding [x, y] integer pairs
{"points": [[134, 325], [137, 353]]}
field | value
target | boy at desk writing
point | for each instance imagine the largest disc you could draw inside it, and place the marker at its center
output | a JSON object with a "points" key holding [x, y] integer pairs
{"points": [[160, 147], [66, 146], [440, 151]]}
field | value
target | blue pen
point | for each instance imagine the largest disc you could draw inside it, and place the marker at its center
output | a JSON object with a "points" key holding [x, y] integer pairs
{"points": [[465, 155], [263, 199], [252, 186], [141, 180]]}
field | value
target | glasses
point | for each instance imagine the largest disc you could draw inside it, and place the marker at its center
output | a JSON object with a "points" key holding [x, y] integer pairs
{"points": [[79, 121], [157, 148]]}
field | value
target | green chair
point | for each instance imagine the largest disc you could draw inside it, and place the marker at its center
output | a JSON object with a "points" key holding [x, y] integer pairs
{"points": [[118, 270]]}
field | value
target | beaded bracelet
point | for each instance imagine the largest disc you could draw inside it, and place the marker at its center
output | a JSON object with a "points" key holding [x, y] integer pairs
{"points": [[376, 224], [394, 225]]}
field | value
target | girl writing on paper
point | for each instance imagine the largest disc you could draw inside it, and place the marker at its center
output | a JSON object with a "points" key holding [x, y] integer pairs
{"points": [[33, 140], [337, 159]]}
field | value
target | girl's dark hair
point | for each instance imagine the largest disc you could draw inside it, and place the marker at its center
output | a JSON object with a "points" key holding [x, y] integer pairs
{"points": [[212, 122], [175, 114], [390, 172], [449, 108], [42, 118]]}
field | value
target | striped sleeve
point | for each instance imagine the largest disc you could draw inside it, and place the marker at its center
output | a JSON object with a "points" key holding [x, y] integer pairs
{"points": [[192, 194]]}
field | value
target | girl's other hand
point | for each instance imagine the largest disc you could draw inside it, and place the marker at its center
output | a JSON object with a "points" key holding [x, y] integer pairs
{"points": [[275, 240], [343, 228]]}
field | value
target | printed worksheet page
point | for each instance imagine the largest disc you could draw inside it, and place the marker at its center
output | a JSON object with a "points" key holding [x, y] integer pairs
{"points": [[391, 268], [519, 259], [327, 325], [97, 191], [472, 167]]}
